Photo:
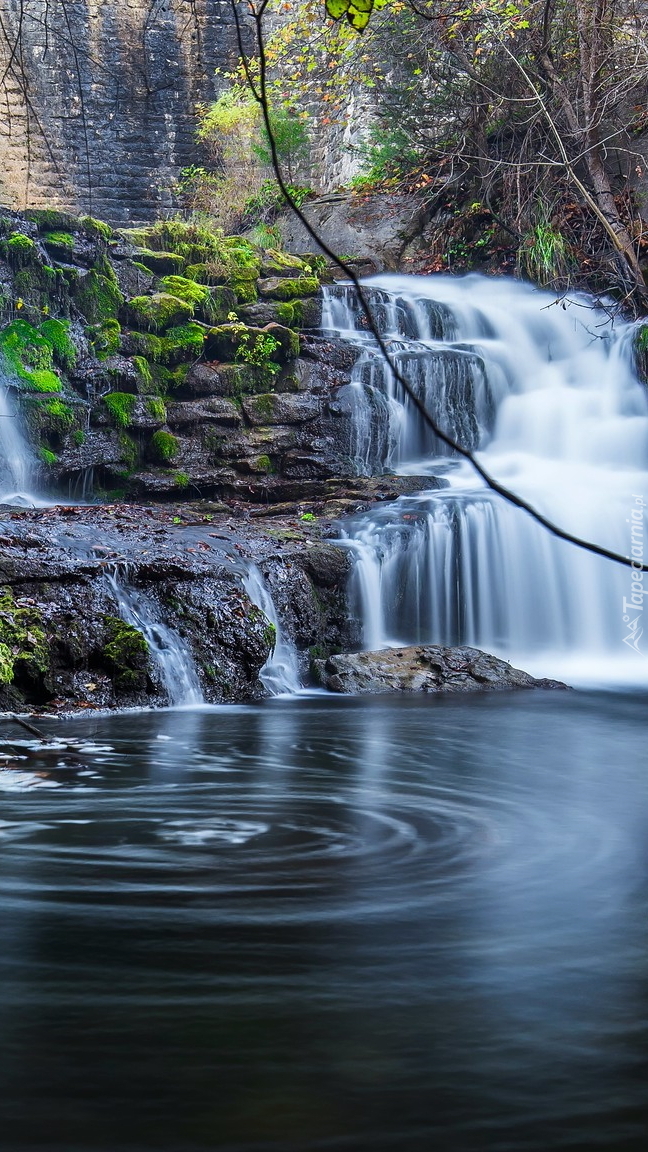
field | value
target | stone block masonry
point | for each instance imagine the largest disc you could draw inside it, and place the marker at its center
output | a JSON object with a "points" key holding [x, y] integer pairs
{"points": [[98, 99]]}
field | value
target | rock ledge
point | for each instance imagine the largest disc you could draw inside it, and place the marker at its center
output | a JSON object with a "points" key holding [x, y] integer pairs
{"points": [[428, 668]]}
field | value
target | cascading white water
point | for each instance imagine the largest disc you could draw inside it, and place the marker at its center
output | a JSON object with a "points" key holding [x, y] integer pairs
{"points": [[16, 460], [280, 673], [546, 392], [166, 648]]}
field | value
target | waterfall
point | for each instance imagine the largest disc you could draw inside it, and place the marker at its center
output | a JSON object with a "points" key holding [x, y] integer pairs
{"points": [[546, 393], [16, 461], [167, 650], [280, 674]]}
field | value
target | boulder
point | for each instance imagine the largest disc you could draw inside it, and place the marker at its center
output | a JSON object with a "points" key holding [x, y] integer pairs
{"points": [[281, 408], [426, 668]]}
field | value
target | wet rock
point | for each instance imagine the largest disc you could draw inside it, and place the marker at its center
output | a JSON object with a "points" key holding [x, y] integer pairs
{"points": [[281, 408], [429, 668], [213, 411]]}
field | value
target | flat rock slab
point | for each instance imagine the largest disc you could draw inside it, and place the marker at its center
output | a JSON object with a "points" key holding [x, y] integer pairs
{"points": [[427, 668]]}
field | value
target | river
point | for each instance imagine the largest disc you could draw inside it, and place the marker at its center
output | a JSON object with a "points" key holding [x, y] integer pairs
{"points": [[325, 923]]}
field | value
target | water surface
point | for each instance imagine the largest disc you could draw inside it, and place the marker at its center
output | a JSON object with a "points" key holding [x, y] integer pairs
{"points": [[343, 924]]}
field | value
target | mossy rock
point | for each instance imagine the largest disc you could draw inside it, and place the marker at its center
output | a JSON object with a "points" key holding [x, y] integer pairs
{"points": [[59, 244], [300, 313], [105, 338], [212, 274], [164, 447], [237, 380], [157, 312], [52, 219], [126, 654], [182, 343], [287, 288], [121, 406], [275, 263], [24, 646], [98, 229], [160, 263], [19, 249], [98, 297], [287, 340], [200, 296], [28, 353], [145, 344], [246, 291], [640, 349]]}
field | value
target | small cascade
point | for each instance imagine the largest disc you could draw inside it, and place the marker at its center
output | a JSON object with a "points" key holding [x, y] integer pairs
{"points": [[280, 673], [547, 394], [168, 651], [16, 460]]}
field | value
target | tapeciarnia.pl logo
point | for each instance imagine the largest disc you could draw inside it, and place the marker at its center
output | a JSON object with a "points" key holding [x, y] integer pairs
{"points": [[633, 608]]}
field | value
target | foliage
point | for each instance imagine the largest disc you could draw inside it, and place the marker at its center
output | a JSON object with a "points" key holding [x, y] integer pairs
{"points": [[47, 456]]}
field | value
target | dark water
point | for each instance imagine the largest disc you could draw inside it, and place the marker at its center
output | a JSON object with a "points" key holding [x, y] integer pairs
{"points": [[377, 924]]}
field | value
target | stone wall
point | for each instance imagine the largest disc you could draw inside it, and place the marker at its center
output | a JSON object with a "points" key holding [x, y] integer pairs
{"points": [[98, 100]]}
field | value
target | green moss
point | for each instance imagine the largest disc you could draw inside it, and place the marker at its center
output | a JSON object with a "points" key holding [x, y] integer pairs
{"points": [[270, 636], [276, 263], [126, 653], [199, 296], [52, 219], [42, 380], [286, 288], [105, 338], [159, 311], [23, 347], [129, 451], [159, 263], [61, 240], [47, 456], [157, 409], [264, 464], [121, 406], [57, 335], [79, 437], [20, 249], [24, 645], [6, 665], [246, 291], [286, 314], [96, 228], [164, 447], [146, 344], [98, 297], [184, 342], [205, 273], [59, 417], [181, 479], [143, 371]]}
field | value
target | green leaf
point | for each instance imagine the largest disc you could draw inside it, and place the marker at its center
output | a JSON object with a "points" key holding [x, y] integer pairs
{"points": [[357, 12]]}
